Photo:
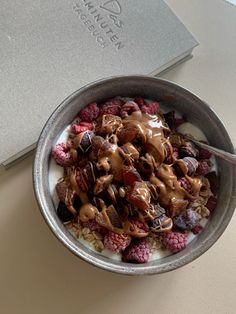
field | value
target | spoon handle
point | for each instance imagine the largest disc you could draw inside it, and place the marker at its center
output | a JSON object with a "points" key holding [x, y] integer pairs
{"points": [[217, 152]]}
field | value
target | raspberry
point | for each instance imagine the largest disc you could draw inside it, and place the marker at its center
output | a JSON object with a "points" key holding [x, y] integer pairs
{"points": [[81, 127], [140, 101], [111, 106], [204, 154], [211, 203], [137, 252], [128, 108], [198, 228], [152, 107], [185, 184], [116, 242], [89, 113], [187, 220], [204, 166], [63, 191], [174, 241], [61, 155]]}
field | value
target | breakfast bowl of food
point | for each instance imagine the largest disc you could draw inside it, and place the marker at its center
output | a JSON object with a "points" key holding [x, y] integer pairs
{"points": [[120, 182]]}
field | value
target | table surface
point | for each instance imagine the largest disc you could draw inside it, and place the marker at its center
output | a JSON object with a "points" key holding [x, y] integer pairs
{"points": [[39, 275]]}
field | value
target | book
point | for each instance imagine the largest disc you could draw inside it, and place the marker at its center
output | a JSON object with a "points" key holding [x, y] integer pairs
{"points": [[49, 49]]}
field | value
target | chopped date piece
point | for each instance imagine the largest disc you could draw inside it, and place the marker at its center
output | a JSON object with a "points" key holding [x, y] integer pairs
{"points": [[130, 175], [188, 150], [139, 195], [128, 108]]}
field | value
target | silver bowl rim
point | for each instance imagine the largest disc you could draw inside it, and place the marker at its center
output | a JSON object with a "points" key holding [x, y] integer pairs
{"points": [[124, 268]]}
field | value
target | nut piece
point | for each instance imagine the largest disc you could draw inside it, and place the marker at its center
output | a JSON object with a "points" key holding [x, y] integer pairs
{"points": [[87, 212]]}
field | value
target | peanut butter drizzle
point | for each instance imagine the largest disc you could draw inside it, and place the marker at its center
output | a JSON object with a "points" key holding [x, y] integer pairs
{"points": [[169, 187], [116, 163], [87, 212], [74, 154], [151, 130]]}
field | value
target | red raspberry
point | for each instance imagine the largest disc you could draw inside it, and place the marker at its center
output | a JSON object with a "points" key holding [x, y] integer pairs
{"points": [[80, 180], [185, 184], [116, 242], [81, 127], [89, 113], [140, 101], [137, 252], [152, 107], [174, 241], [204, 154], [204, 166], [211, 203], [62, 156], [64, 191], [111, 106], [198, 228]]}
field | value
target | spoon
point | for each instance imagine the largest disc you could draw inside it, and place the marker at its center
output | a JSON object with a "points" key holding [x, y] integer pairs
{"points": [[215, 151]]}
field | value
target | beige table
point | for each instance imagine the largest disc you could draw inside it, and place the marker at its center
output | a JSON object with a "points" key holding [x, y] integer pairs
{"points": [[38, 275]]}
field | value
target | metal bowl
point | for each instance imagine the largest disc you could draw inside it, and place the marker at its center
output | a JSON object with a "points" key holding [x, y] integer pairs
{"points": [[197, 111]]}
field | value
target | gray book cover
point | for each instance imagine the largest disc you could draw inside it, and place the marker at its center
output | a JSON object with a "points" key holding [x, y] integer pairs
{"points": [[48, 49]]}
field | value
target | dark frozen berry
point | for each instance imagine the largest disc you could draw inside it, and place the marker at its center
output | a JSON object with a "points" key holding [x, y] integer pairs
{"points": [[187, 220], [63, 213]]}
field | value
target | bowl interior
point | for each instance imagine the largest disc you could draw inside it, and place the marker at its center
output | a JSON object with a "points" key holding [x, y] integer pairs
{"points": [[197, 112]]}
